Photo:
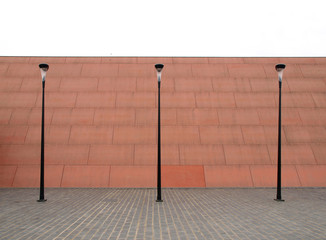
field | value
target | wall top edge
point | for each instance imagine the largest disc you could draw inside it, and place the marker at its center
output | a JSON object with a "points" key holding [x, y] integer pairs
{"points": [[246, 57], [164, 60]]}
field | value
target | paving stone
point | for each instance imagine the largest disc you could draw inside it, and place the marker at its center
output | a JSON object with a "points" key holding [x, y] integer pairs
{"points": [[108, 213]]}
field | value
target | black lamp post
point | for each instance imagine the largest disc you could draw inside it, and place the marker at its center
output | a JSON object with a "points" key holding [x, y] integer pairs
{"points": [[159, 68], [44, 68], [279, 68]]}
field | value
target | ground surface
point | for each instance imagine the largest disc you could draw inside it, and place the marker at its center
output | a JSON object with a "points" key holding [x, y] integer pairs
{"points": [[184, 214]]}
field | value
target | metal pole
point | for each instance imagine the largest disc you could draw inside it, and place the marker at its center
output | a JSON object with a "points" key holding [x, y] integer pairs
{"points": [[159, 198], [42, 148], [279, 162]]}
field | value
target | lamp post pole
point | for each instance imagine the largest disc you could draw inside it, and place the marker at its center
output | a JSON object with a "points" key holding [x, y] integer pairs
{"points": [[44, 68], [159, 68], [279, 68]]}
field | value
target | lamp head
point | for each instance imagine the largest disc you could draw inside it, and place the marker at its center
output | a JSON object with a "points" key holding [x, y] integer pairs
{"points": [[159, 68], [280, 68], [44, 68]]}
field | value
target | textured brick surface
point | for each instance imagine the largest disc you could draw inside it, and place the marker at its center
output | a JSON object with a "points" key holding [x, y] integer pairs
{"points": [[102, 70], [134, 135], [20, 70], [133, 176], [52, 134], [20, 154], [319, 99], [177, 100], [180, 135], [86, 176], [91, 135], [183, 176], [111, 155], [66, 154], [177, 70], [34, 84], [149, 84], [269, 116], [191, 85], [14, 100], [11, 83], [293, 154], [319, 152], [312, 175], [244, 154], [21, 116], [313, 70], [267, 85], [212, 99], [13, 134], [65, 70], [147, 155], [266, 176], [296, 100], [134, 100], [228, 176], [7, 175], [231, 85], [29, 176], [3, 68], [78, 84], [5, 115], [205, 117], [219, 120], [56, 99], [254, 100], [74, 116], [184, 214], [246, 70], [117, 84], [34, 117], [221, 135], [130, 70], [96, 100], [148, 116], [238, 117], [310, 85], [261, 135], [202, 155], [313, 116], [304, 134], [114, 116]]}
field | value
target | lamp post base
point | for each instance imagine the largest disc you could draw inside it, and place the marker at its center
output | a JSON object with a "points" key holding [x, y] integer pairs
{"points": [[42, 200], [279, 200], [159, 200]]}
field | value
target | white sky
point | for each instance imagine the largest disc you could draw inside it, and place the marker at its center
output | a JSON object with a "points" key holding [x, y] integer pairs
{"points": [[163, 28]]}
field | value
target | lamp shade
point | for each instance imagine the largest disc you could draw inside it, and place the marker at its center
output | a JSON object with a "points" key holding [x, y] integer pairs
{"points": [[44, 68], [159, 67], [280, 68]]}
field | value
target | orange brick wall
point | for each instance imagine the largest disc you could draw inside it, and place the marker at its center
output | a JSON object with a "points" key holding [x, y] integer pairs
{"points": [[219, 122]]}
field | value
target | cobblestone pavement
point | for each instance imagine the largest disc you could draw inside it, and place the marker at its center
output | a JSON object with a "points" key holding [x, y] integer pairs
{"points": [[184, 214]]}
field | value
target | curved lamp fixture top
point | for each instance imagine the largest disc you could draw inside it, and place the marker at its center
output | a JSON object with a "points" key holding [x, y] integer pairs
{"points": [[159, 67], [280, 67], [44, 68]]}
